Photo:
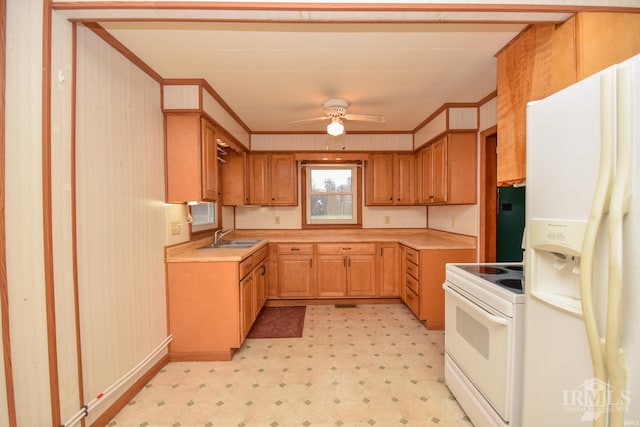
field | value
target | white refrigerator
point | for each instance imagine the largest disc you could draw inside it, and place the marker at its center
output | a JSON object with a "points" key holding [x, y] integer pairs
{"points": [[582, 254]]}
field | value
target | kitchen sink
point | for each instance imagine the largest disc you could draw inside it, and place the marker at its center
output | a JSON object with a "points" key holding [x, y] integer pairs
{"points": [[232, 244]]}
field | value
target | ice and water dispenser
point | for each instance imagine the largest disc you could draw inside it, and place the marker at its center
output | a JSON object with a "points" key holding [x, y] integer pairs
{"points": [[553, 262]]}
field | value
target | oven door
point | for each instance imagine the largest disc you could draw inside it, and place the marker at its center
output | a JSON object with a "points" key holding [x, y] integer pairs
{"points": [[478, 341]]}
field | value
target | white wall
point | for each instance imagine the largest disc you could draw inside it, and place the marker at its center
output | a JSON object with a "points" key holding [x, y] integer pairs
{"points": [[24, 220], [120, 183], [62, 210], [120, 210]]}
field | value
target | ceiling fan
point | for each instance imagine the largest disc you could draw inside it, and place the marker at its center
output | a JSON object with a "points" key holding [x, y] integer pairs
{"points": [[335, 109]]}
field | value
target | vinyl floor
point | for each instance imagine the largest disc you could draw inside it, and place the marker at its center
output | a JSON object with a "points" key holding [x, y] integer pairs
{"points": [[372, 365]]}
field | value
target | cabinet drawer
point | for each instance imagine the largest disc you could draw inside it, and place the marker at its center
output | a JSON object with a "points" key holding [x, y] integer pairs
{"points": [[260, 254], [413, 270], [247, 265], [413, 302], [346, 248], [413, 284], [413, 255], [295, 248]]}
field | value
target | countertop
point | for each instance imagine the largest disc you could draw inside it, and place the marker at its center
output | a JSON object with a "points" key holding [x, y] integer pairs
{"points": [[415, 238]]}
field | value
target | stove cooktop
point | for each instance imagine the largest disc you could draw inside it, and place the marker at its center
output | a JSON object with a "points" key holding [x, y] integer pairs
{"points": [[508, 276]]}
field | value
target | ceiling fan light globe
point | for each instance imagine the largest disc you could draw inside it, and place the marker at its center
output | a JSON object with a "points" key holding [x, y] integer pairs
{"points": [[335, 128]]}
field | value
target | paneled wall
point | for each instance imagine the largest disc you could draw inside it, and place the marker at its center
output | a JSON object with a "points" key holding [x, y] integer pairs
{"points": [[120, 209], [324, 142], [62, 211], [24, 217]]}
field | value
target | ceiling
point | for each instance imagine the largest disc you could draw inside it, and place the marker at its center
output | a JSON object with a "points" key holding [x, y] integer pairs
{"points": [[276, 66]]}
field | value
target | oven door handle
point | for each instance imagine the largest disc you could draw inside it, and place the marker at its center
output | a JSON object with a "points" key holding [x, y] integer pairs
{"points": [[476, 308]]}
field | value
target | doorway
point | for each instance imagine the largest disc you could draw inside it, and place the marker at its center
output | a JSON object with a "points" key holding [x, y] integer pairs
{"points": [[488, 194]]}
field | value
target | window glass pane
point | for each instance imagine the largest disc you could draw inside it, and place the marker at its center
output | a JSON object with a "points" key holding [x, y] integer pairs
{"points": [[330, 180], [204, 216], [334, 206]]}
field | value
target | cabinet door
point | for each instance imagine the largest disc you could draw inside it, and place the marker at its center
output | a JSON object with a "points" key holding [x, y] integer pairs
{"points": [[331, 276], [259, 179], [403, 266], [405, 180], [182, 157], [440, 171], [284, 190], [379, 180], [295, 275], [235, 183], [247, 305], [389, 270], [209, 174], [427, 175], [261, 286], [361, 273]]}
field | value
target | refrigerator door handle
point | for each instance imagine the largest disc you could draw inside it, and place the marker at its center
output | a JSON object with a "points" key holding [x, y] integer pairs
{"points": [[618, 207], [598, 209]]}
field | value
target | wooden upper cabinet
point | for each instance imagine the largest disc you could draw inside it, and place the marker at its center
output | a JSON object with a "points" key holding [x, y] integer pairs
{"points": [[405, 191], [547, 58], [448, 170], [259, 179], [604, 39], [379, 180], [235, 181], [191, 158], [390, 179], [524, 74], [273, 179], [284, 189], [439, 172], [209, 161]]}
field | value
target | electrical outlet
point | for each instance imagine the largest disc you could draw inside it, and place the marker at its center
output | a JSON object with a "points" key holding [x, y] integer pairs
{"points": [[453, 221], [175, 228], [277, 220], [387, 219]]}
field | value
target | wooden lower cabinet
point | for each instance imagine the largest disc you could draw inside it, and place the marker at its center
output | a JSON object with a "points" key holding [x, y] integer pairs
{"points": [[295, 270], [203, 301], [424, 274], [212, 305], [346, 270], [389, 269], [247, 304], [331, 277]]}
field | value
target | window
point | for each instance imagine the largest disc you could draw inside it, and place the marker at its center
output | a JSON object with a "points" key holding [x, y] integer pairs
{"points": [[204, 217], [331, 194]]}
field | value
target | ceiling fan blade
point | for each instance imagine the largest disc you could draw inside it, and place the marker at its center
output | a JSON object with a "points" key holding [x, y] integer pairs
{"points": [[365, 118], [314, 119]]}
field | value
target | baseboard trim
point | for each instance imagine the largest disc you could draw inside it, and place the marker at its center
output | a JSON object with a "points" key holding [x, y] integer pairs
{"points": [[330, 301], [128, 395], [200, 356]]}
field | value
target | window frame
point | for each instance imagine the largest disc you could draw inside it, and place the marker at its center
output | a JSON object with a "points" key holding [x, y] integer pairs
{"points": [[356, 190]]}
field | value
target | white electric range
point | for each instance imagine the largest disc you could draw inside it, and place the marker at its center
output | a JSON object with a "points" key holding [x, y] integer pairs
{"points": [[484, 313]]}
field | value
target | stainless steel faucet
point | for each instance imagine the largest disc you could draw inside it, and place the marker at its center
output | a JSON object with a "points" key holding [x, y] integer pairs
{"points": [[219, 235]]}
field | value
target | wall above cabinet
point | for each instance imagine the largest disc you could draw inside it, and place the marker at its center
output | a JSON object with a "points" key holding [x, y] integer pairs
{"points": [[196, 95]]}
